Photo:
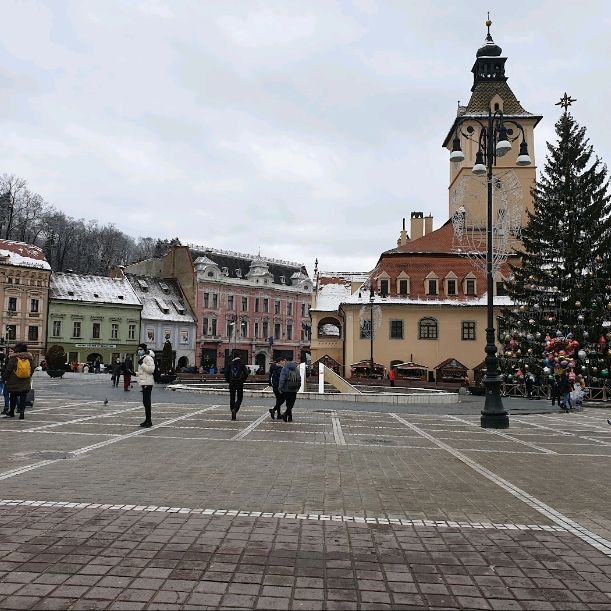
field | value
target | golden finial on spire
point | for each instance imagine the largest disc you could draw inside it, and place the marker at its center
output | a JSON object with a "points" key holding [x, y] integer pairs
{"points": [[488, 23]]}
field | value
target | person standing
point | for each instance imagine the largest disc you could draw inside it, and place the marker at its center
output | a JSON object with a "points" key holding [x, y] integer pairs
{"points": [[290, 383], [117, 367], [128, 372], [555, 391], [565, 392], [392, 376], [18, 379], [146, 367], [274, 382], [236, 375]]}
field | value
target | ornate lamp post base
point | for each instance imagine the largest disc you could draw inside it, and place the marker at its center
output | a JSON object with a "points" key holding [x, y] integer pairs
{"points": [[494, 420]]}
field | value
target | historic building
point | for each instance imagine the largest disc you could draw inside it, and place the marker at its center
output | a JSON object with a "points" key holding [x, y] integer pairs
{"points": [[24, 291], [93, 317], [166, 316], [428, 305], [256, 306]]}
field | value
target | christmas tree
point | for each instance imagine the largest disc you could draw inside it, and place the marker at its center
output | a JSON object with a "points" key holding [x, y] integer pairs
{"points": [[562, 289]]}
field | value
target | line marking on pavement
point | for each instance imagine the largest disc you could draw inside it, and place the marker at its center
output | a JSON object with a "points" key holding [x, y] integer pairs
{"points": [[600, 543], [251, 427], [77, 420], [506, 436], [569, 434], [36, 410], [101, 444], [319, 517], [338, 434]]}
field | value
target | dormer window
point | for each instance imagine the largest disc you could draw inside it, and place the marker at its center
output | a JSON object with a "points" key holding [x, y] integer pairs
{"points": [[142, 284], [403, 284], [164, 287], [238, 273], [384, 287], [470, 285], [179, 307], [282, 279], [225, 271], [71, 293], [120, 297], [96, 295], [451, 284], [163, 306], [432, 286], [210, 274]]}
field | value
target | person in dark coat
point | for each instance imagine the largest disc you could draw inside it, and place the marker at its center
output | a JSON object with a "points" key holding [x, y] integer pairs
{"points": [[128, 372], [18, 387], [290, 382], [555, 391], [564, 386], [117, 368], [236, 374], [274, 382]]}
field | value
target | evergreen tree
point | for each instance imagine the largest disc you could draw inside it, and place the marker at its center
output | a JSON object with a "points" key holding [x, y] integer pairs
{"points": [[562, 290]]}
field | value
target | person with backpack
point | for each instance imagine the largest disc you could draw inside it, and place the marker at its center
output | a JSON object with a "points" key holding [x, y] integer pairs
{"points": [[18, 379], [274, 382], [289, 385], [236, 374], [117, 369], [146, 368]]}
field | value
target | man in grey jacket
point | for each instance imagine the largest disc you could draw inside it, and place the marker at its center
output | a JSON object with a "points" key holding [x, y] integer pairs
{"points": [[290, 383]]}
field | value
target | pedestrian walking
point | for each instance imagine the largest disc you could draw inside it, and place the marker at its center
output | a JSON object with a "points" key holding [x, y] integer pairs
{"points": [[392, 376], [117, 368], [236, 374], [555, 391], [564, 386], [146, 368], [18, 378], [290, 383], [274, 382], [128, 372], [5, 392]]}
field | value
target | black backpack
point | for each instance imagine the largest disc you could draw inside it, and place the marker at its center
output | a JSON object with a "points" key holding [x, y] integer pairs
{"points": [[293, 382], [236, 373]]}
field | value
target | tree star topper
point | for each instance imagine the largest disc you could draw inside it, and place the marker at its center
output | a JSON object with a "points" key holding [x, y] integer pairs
{"points": [[565, 101]]}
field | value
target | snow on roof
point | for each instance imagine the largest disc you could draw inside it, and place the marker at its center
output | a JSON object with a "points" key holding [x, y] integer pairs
{"points": [[499, 300], [174, 301], [98, 289], [21, 254], [330, 296]]}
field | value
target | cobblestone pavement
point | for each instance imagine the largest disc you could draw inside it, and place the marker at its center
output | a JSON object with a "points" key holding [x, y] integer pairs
{"points": [[340, 509]]}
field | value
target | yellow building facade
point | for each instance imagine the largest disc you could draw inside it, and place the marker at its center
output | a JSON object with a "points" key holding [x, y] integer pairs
{"points": [[428, 304]]}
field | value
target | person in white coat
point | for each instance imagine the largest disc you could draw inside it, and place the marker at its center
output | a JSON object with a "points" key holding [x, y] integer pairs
{"points": [[146, 367]]}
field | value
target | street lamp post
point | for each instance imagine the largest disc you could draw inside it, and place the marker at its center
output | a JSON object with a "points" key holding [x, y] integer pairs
{"points": [[371, 301], [494, 141]]}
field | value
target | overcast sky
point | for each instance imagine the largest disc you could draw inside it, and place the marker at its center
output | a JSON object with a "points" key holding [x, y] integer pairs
{"points": [[307, 129]]}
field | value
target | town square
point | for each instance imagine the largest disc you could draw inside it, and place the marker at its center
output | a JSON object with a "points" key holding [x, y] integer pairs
{"points": [[305, 305]]}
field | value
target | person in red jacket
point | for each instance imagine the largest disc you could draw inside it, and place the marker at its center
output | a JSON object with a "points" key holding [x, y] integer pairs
{"points": [[392, 374]]}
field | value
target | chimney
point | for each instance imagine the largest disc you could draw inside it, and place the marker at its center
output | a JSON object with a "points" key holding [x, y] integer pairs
{"points": [[417, 228], [428, 224], [403, 236]]}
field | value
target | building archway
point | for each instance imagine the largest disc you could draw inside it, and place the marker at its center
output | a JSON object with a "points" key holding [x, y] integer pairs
{"points": [[329, 327], [260, 361]]}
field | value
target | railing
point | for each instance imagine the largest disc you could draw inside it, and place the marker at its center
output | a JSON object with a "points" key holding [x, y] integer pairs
{"points": [[591, 393]]}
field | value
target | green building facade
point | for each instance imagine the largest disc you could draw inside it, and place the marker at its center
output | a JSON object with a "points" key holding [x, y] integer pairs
{"points": [[93, 317]]}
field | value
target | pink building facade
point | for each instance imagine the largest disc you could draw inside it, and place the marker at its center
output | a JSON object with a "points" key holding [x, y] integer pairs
{"points": [[255, 306]]}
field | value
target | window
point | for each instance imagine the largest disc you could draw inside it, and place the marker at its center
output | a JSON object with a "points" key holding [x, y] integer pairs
{"points": [[205, 326], [95, 331], [215, 301], [213, 323], [266, 305], [427, 328], [432, 287], [277, 331], [33, 305], [402, 287], [206, 300], [303, 310], [244, 304], [131, 331], [289, 332], [33, 334], [11, 332], [265, 330], [384, 287], [470, 287], [365, 329], [57, 328], [396, 329], [451, 287], [114, 331], [501, 289], [256, 330], [230, 327], [256, 304], [277, 306], [12, 304], [468, 329], [230, 301], [76, 328], [244, 328], [289, 308]]}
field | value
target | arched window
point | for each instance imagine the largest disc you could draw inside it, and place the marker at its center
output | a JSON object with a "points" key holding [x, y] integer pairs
{"points": [[428, 328], [329, 327]]}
